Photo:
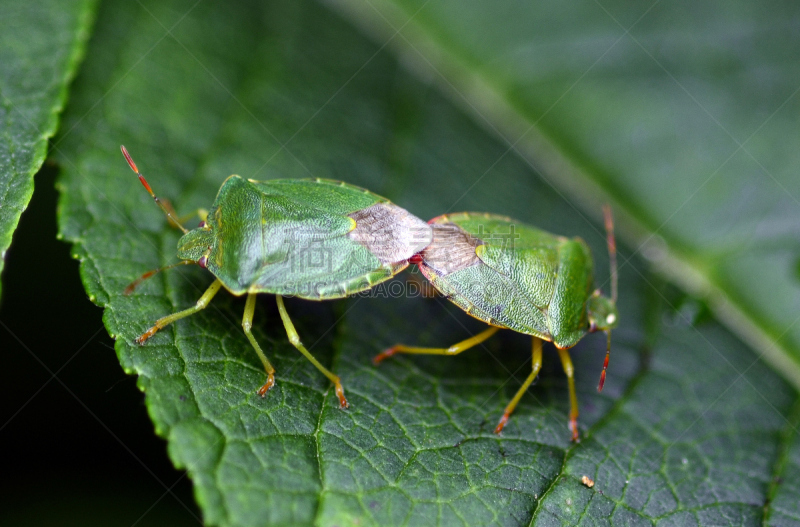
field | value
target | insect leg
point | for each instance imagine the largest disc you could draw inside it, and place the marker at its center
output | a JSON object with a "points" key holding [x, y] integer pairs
{"points": [[247, 324], [566, 361], [455, 349], [294, 338], [169, 319], [537, 365]]}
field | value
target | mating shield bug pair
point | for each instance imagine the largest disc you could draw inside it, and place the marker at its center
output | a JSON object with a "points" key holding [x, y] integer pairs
{"points": [[322, 240]]}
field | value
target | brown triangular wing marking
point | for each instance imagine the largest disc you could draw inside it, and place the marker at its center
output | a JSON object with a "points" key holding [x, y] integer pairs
{"points": [[452, 249], [487, 293], [390, 232]]}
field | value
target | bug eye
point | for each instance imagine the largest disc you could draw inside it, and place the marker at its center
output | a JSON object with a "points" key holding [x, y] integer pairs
{"points": [[202, 261], [201, 225]]}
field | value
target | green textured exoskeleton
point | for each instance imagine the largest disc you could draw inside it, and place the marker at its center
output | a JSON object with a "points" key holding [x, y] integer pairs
{"points": [[514, 276], [313, 239]]}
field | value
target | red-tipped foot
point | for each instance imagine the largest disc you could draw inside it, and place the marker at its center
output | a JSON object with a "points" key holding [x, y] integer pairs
{"points": [[269, 384], [573, 426], [141, 339], [342, 401], [380, 357], [501, 424]]}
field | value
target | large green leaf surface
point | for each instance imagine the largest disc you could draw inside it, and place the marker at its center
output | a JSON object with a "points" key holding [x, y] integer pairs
{"points": [[41, 44], [684, 118], [691, 427]]}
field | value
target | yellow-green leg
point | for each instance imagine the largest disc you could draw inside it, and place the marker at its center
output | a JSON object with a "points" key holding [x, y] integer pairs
{"points": [[294, 338], [247, 325], [537, 365], [169, 319], [455, 349], [566, 361]]}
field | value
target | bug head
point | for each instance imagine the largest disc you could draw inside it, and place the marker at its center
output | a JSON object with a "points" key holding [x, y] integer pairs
{"points": [[602, 312], [195, 245]]}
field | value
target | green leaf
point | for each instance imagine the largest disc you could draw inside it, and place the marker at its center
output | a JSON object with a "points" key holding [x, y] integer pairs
{"points": [[690, 426], [683, 118], [784, 507], [41, 45]]}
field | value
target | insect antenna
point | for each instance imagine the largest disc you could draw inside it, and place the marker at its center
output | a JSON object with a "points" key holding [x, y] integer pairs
{"points": [[170, 214], [133, 285], [605, 362], [612, 260], [612, 249]]}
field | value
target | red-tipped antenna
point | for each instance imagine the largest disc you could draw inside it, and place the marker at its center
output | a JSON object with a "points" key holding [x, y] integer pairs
{"points": [[612, 260], [133, 285], [161, 204], [605, 363]]}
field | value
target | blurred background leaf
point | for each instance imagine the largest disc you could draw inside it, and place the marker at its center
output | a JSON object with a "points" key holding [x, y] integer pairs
{"points": [[41, 45], [691, 428]]}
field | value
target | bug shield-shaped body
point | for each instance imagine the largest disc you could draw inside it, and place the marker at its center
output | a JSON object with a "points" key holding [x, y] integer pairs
{"points": [[511, 275], [313, 239]]}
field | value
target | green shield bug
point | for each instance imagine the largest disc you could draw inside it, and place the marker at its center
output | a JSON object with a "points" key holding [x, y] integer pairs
{"points": [[514, 276], [313, 239]]}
